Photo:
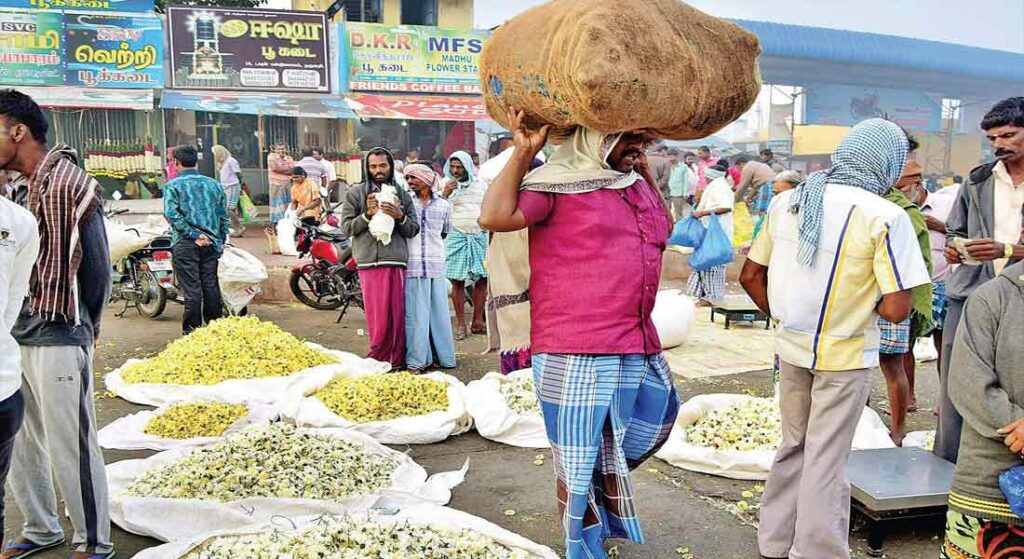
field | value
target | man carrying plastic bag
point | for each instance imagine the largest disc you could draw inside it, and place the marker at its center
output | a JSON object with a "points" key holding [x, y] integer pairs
{"points": [[707, 283], [606, 391]]}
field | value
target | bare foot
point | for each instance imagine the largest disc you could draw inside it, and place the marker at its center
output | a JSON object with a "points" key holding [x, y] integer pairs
{"points": [[460, 333], [897, 438], [912, 407], [479, 329]]}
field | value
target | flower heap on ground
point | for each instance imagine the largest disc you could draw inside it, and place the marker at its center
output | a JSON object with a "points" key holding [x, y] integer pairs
{"points": [[383, 397], [753, 425], [226, 349], [358, 539], [189, 421], [273, 460], [520, 393]]}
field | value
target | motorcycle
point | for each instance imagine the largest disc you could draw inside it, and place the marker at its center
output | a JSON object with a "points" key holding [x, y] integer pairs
{"points": [[329, 281], [144, 279]]}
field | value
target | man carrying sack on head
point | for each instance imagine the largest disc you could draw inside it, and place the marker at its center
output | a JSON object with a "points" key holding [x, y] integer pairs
{"points": [[597, 228]]}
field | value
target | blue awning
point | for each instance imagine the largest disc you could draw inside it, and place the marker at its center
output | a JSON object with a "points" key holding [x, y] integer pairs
{"points": [[291, 104]]}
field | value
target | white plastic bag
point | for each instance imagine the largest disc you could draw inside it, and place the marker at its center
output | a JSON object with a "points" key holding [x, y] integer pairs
{"points": [[309, 411], [270, 390], [129, 432], [123, 240], [747, 465], [673, 317], [240, 274], [920, 439], [423, 515], [496, 421], [286, 233], [174, 519], [382, 225]]}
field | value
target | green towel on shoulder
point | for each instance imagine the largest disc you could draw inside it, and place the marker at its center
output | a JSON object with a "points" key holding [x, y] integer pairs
{"points": [[921, 317]]}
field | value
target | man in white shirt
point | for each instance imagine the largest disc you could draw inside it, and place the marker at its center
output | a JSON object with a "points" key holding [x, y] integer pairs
{"points": [[331, 174], [19, 248], [315, 170], [466, 245]]}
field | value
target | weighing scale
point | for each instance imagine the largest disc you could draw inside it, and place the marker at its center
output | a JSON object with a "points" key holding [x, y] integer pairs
{"points": [[739, 309], [897, 485]]}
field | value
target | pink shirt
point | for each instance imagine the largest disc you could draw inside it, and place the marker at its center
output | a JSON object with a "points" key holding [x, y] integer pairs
{"points": [[702, 167], [595, 266]]}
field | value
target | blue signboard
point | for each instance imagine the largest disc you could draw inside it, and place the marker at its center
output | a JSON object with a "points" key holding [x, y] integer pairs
{"points": [[90, 5], [114, 51], [846, 105]]}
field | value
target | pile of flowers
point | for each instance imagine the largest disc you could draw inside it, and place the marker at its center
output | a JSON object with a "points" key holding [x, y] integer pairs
{"points": [[383, 397], [188, 421], [358, 539], [753, 425], [520, 393], [226, 349], [273, 460]]}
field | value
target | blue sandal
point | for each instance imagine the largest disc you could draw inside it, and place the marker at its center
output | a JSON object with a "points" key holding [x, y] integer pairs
{"points": [[29, 548]]}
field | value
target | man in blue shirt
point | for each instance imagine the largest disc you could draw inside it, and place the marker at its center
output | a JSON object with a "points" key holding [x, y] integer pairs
{"points": [[197, 209]]}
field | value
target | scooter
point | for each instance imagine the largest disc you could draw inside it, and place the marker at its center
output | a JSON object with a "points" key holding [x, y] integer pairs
{"points": [[329, 280]]}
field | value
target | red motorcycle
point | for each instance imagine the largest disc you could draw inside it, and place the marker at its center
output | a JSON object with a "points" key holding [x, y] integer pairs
{"points": [[329, 281]]}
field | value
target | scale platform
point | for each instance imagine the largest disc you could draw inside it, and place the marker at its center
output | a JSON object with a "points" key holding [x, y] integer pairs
{"points": [[897, 485], [738, 309]]}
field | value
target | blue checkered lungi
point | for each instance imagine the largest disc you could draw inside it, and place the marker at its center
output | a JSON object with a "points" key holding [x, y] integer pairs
{"points": [[895, 338], [465, 254], [605, 415], [940, 305]]}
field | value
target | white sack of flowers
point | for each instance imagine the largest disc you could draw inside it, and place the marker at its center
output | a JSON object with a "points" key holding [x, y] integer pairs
{"points": [[736, 436], [418, 531], [395, 408], [505, 409], [182, 425], [265, 472], [673, 317], [234, 359], [240, 274]]}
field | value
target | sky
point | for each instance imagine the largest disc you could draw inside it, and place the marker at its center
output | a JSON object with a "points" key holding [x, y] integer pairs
{"points": [[995, 24]]}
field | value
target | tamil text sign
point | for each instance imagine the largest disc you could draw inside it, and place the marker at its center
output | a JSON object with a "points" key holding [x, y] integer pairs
{"points": [[31, 48], [412, 59], [227, 49], [86, 5]]}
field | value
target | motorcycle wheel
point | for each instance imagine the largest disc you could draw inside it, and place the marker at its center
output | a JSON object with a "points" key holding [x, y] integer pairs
{"points": [[304, 290], [153, 299]]}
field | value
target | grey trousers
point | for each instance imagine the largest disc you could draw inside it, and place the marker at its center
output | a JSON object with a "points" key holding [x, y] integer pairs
{"points": [[58, 440], [947, 435], [805, 511]]}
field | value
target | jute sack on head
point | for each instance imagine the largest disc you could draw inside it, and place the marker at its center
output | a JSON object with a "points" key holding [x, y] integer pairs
{"points": [[611, 67]]}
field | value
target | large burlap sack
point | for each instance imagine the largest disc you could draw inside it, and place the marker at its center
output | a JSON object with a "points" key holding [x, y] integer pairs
{"points": [[306, 410], [746, 465], [422, 515], [611, 67], [175, 519]]}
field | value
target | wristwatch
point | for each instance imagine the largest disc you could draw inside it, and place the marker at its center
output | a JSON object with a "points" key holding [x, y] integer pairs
{"points": [[1008, 250]]}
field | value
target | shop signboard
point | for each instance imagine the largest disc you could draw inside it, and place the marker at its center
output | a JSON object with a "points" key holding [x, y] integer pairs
{"points": [[31, 48], [846, 105], [244, 50], [411, 59], [87, 5], [114, 51], [418, 107]]}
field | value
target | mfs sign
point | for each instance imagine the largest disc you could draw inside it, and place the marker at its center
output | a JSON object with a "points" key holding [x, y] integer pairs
{"points": [[409, 58]]}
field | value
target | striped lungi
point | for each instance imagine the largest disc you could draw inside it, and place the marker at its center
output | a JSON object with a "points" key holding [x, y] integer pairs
{"points": [[604, 415], [464, 256]]}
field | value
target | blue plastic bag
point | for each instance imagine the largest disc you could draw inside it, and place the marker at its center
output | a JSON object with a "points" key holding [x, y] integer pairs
{"points": [[714, 250], [688, 232], [1012, 483]]}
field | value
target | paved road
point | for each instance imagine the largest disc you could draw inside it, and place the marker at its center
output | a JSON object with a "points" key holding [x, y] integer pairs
{"points": [[678, 509]]}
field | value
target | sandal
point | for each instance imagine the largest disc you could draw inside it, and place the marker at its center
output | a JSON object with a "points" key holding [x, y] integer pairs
{"points": [[110, 555], [27, 549]]}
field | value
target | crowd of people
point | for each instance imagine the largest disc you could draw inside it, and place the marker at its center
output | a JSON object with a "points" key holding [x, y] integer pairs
{"points": [[854, 263]]}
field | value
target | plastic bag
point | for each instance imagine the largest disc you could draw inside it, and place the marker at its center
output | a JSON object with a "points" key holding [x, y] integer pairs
{"points": [[714, 250], [743, 225], [286, 234], [673, 317], [688, 232], [247, 208], [123, 240], [423, 515], [382, 225], [308, 411], [240, 274], [1012, 483], [173, 519]]}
